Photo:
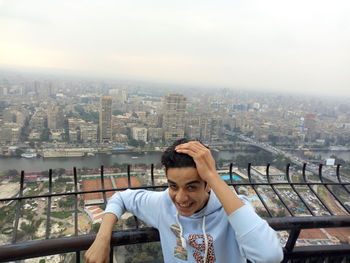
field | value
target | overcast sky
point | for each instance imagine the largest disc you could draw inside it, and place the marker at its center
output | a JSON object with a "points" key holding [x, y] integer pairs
{"points": [[301, 45]]}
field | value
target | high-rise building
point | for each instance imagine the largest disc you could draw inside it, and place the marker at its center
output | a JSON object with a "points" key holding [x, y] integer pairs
{"points": [[174, 117], [139, 134], [105, 121], [55, 117]]}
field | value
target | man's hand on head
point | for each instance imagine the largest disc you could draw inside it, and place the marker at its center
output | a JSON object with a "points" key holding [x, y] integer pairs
{"points": [[203, 158]]}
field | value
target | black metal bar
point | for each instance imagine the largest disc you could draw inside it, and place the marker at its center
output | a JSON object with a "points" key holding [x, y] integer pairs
{"points": [[48, 247], [268, 173], [129, 179], [249, 172], [152, 174], [320, 172], [77, 243], [340, 180], [307, 222], [295, 190], [48, 215], [317, 251], [231, 179], [304, 172], [75, 201], [111, 254], [18, 208], [275, 191], [103, 185], [136, 222], [292, 239]]}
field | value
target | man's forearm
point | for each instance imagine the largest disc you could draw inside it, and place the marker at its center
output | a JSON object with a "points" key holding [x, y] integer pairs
{"points": [[225, 194], [106, 228]]}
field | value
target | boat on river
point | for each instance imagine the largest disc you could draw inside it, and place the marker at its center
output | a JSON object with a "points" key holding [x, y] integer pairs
{"points": [[29, 155]]}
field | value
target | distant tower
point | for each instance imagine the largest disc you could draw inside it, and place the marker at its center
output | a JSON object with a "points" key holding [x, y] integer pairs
{"points": [[105, 125], [174, 117]]}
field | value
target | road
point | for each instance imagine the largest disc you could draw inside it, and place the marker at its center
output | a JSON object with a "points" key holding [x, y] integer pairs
{"points": [[327, 172]]}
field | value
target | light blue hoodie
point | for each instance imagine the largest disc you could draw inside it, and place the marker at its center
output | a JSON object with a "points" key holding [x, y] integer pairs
{"points": [[208, 234]]}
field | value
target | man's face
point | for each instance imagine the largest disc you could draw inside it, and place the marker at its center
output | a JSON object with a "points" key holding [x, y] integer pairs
{"points": [[187, 190]]}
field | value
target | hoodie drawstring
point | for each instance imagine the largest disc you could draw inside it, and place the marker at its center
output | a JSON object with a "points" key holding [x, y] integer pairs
{"points": [[183, 240], [206, 245]]}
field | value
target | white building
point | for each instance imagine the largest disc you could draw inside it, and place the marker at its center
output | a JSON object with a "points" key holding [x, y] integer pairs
{"points": [[139, 134]]}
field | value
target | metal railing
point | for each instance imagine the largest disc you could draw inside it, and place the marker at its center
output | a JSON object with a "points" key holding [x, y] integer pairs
{"points": [[292, 222]]}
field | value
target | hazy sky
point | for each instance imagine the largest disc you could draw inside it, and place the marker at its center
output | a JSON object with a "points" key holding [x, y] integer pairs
{"points": [[301, 45]]}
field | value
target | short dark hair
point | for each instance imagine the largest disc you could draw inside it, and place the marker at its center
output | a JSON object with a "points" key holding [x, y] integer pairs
{"points": [[172, 159]]}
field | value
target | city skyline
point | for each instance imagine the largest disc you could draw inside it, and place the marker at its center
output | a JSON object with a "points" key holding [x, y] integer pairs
{"points": [[280, 46]]}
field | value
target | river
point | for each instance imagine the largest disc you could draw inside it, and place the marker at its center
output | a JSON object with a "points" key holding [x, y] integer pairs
{"points": [[42, 164]]}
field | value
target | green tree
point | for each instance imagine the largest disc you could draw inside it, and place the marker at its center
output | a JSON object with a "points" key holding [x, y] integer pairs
{"points": [[45, 135], [19, 151]]}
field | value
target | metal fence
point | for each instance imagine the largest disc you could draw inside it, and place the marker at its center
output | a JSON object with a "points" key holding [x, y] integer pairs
{"points": [[292, 222]]}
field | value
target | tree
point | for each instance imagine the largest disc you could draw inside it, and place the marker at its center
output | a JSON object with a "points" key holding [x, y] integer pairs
{"points": [[19, 151], [67, 202], [136, 143], [45, 135]]}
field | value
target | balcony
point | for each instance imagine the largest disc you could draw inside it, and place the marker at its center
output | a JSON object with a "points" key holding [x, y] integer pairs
{"points": [[292, 205]]}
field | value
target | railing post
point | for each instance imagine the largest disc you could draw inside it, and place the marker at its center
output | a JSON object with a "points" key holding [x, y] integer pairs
{"points": [[18, 209], [152, 174], [48, 216], [76, 233]]}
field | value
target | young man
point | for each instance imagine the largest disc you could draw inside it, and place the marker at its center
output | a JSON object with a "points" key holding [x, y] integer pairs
{"points": [[199, 217]]}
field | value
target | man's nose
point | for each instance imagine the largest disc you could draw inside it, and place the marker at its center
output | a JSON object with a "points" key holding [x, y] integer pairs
{"points": [[181, 196]]}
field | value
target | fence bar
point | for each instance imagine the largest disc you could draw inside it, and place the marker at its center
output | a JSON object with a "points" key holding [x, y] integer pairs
{"points": [[127, 237], [292, 239], [48, 247], [129, 179], [18, 208], [76, 201], [48, 216], [340, 180], [152, 174], [76, 233], [103, 185], [111, 254]]}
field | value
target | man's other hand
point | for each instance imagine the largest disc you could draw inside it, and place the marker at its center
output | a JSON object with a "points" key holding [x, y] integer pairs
{"points": [[98, 252]]}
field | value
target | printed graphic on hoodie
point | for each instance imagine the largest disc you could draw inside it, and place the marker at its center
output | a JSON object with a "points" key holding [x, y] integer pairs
{"points": [[179, 251], [197, 242]]}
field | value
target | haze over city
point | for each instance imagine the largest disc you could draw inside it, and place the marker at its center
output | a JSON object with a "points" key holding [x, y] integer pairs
{"points": [[271, 45]]}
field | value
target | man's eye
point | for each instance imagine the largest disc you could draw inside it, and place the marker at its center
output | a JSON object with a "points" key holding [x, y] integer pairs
{"points": [[172, 186], [191, 188]]}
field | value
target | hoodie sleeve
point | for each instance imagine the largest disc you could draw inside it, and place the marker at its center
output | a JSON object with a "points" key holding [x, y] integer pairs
{"points": [[143, 204], [257, 241]]}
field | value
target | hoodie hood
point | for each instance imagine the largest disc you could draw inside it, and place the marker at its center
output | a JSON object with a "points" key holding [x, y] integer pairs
{"points": [[211, 207]]}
